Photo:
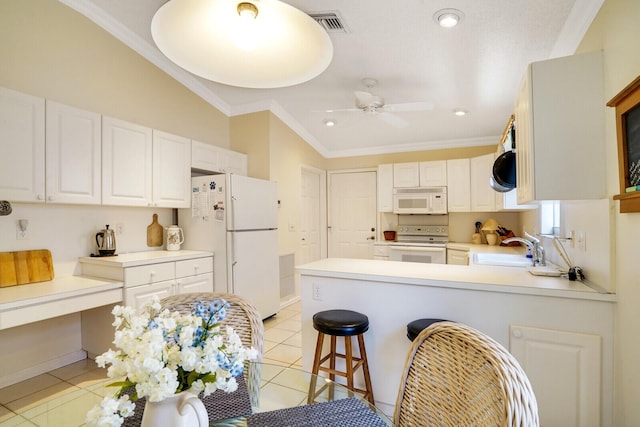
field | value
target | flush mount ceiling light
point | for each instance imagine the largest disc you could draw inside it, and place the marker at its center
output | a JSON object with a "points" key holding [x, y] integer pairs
{"points": [[448, 18], [329, 122], [253, 44], [460, 112]]}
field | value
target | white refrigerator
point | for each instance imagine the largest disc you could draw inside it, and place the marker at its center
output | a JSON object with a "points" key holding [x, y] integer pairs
{"points": [[236, 217]]}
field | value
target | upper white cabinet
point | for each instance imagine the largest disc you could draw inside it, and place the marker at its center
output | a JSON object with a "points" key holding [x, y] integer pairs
{"points": [[22, 135], [420, 174], [385, 188], [73, 144], [433, 173], [483, 197], [459, 185], [209, 158], [559, 118], [127, 174], [144, 167], [406, 175], [171, 170]]}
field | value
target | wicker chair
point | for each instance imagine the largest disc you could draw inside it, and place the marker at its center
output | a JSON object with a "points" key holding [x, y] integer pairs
{"points": [[245, 320], [456, 376]]}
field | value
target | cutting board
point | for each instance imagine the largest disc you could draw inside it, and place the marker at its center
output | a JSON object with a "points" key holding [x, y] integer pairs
{"points": [[154, 232], [22, 267]]}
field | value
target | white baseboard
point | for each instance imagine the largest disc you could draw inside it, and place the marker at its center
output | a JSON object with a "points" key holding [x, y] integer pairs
{"points": [[42, 368]]}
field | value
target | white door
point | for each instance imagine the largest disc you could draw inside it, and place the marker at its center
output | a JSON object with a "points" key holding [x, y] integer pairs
{"points": [[73, 156], [253, 263], [310, 239], [253, 203], [352, 214]]}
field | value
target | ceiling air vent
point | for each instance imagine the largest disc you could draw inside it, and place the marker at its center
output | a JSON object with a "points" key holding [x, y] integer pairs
{"points": [[330, 21]]}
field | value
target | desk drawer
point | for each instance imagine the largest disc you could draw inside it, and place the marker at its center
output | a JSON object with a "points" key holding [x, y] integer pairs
{"points": [[193, 267], [145, 274]]}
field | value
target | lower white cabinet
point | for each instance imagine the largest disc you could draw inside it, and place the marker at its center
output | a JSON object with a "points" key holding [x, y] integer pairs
{"points": [[564, 369], [457, 257], [143, 279], [381, 251]]}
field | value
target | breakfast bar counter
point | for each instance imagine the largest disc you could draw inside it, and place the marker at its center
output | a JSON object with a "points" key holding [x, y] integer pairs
{"points": [[560, 331]]}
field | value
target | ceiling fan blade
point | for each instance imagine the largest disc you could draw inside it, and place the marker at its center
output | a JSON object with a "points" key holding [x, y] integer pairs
{"points": [[409, 106], [393, 120]]}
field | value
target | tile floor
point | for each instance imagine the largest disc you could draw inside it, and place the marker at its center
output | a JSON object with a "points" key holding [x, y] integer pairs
{"points": [[283, 346]]}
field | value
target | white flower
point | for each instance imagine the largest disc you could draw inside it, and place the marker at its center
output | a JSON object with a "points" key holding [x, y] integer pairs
{"points": [[162, 353]]}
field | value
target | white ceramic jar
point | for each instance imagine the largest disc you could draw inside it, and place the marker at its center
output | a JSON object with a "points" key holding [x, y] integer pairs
{"points": [[175, 238]]}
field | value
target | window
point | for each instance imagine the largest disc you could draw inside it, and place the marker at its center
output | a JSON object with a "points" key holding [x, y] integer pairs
{"points": [[550, 218]]}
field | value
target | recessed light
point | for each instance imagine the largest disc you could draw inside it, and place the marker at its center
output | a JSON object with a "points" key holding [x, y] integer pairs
{"points": [[460, 112], [448, 18], [329, 122]]}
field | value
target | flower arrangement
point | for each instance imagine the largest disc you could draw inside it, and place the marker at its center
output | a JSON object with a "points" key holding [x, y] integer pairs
{"points": [[162, 353]]}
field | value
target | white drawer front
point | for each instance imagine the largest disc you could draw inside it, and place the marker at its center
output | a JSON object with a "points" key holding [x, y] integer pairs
{"points": [[381, 250], [151, 273], [192, 267]]}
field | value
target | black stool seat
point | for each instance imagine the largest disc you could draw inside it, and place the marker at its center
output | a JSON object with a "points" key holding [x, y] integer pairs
{"points": [[414, 328], [342, 323]]}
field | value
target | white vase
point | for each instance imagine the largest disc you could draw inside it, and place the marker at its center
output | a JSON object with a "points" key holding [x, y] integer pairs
{"points": [[180, 410]]}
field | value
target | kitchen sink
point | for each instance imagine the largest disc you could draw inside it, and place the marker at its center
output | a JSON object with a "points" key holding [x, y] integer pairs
{"points": [[509, 260]]}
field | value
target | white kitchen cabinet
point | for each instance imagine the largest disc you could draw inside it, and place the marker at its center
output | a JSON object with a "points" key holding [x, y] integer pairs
{"points": [[483, 197], [385, 188], [73, 155], [406, 175], [381, 251], [207, 158], [457, 256], [433, 173], [420, 174], [564, 369], [559, 119], [171, 170], [144, 167], [459, 185], [22, 138], [127, 175], [161, 273]]}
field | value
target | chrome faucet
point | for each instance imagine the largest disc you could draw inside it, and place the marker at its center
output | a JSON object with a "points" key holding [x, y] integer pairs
{"points": [[537, 250]]}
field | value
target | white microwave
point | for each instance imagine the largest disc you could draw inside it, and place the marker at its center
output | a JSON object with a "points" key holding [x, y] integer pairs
{"points": [[420, 200]]}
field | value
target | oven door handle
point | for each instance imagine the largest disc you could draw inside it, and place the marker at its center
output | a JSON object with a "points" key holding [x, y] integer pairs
{"points": [[417, 248]]}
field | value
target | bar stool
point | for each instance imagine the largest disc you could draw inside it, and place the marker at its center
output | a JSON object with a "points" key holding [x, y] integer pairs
{"points": [[341, 323], [415, 327]]}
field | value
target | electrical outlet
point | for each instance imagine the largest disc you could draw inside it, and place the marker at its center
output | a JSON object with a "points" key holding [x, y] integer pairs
{"points": [[317, 295], [581, 240], [119, 228]]}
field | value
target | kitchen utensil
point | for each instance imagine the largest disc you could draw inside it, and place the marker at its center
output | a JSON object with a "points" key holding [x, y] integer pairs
{"points": [[154, 232], [476, 238], [504, 170], [22, 267], [106, 241], [562, 252], [175, 237], [389, 235]]}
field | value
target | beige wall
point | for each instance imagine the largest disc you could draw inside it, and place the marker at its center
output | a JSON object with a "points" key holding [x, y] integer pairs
{"points": [[250, 135], [49, 50], [413, 156], [617, 32]]}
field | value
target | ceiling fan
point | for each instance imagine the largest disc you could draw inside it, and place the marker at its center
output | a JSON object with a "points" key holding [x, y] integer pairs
{"points": [[375, 105]]}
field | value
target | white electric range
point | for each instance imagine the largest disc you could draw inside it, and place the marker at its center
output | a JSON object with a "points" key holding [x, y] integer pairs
{"points": [[420, 243]]}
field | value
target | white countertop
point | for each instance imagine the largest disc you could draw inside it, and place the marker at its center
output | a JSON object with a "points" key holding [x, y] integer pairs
{"points": [[144, 258], [60, 288], [476, 277]]}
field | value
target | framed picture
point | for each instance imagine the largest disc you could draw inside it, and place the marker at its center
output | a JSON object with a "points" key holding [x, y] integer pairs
{"points": [[627, 105]]}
